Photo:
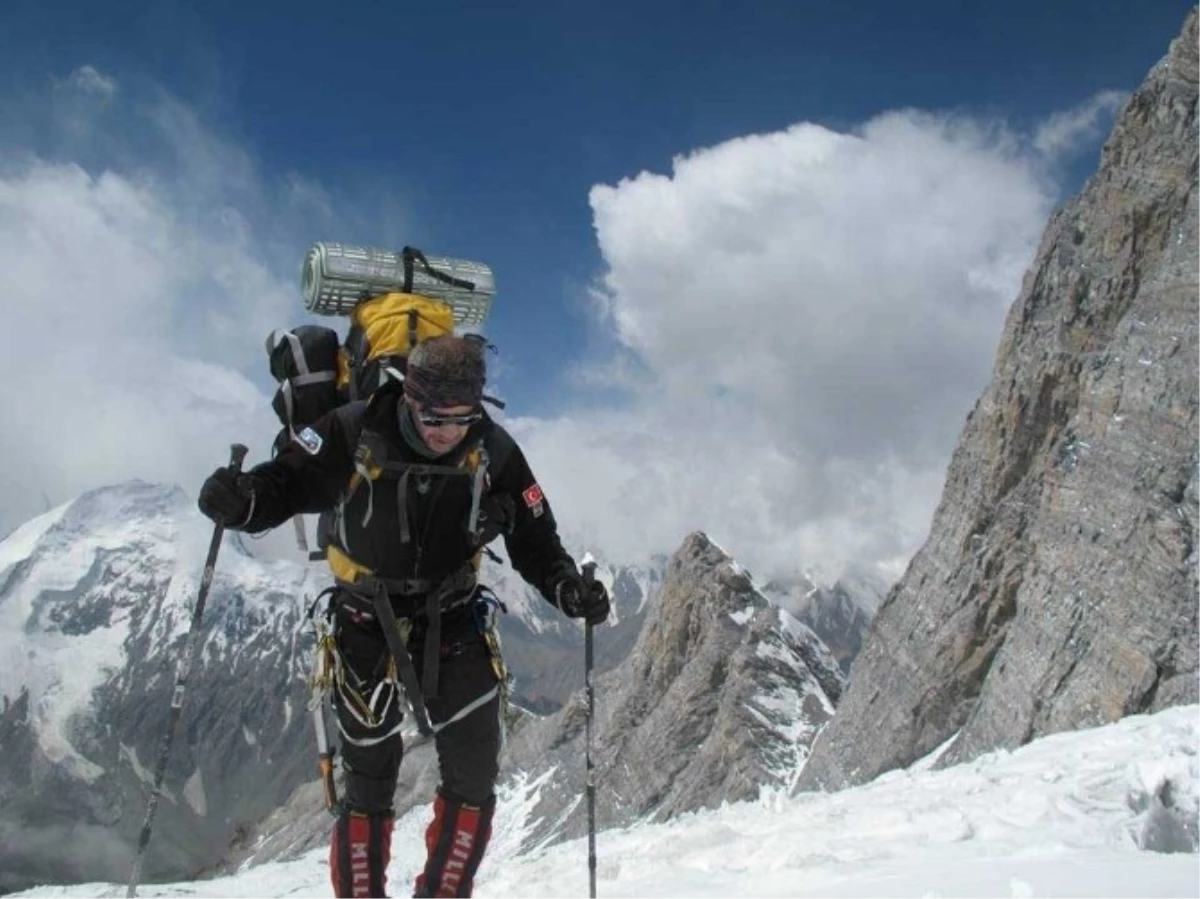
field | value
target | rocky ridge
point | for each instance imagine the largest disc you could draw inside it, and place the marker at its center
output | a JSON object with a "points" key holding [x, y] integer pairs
{"points": [[1058, 586], [720, 698]]}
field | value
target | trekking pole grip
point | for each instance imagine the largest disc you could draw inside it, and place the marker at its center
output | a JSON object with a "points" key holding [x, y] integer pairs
{"points": [[237, 455]]}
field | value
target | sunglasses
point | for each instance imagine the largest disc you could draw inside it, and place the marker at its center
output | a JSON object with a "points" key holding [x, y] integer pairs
{"points": [[433, 420]]}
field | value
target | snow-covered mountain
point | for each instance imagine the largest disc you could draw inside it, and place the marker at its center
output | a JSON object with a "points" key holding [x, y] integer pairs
{"points": [[840, 614], [1109, 811], [95, 603]]}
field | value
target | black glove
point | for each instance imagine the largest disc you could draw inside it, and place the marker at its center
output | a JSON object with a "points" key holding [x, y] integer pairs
{"points": [[579, 598], [227, 498], [497, 515]]}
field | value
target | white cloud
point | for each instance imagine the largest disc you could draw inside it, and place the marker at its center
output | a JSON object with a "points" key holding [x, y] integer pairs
{"points": [[139, 283], [89, 81], [812, 314], [115, 352], [1065, 132]]}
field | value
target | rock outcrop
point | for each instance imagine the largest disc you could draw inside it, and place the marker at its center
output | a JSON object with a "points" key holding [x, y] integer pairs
{"points": [[722, 695], [1058, 586]]}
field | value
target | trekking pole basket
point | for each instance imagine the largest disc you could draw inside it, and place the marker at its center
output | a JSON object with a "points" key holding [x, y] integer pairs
{"points": [[336, 277]]}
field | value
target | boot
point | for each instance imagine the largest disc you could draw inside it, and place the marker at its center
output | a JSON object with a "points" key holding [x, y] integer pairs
{"points": [[359, 854], [455, 840]]}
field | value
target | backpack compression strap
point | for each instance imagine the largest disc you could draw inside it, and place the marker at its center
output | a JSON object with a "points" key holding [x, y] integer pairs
{"points": [[411, 254]]}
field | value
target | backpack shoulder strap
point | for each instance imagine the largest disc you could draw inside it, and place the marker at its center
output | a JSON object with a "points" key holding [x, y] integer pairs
{"points": [[500, 446], [350, 418]]}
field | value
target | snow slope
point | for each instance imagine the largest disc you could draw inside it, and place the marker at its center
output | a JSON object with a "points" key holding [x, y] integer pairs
{"points": [[1073, 814]]}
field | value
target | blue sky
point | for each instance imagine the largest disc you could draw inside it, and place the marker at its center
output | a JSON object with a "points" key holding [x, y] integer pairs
{"points": [[489, 122], [497, 131]]}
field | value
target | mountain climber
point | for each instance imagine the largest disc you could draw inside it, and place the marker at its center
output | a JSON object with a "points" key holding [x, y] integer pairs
{"points": [[420, 479]]}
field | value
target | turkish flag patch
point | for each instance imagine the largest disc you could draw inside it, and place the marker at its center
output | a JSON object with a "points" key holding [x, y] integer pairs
{"points": [[534, 499]]}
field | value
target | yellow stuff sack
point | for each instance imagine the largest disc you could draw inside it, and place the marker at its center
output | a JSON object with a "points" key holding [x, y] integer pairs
{"points": [[383, 331]]}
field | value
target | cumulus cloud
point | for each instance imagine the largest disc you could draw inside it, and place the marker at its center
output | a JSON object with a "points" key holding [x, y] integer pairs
{"points": [[139, 281], [809, 316]]}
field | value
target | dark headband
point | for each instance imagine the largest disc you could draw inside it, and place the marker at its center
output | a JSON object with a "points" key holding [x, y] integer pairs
{"points": [[433, 391]]}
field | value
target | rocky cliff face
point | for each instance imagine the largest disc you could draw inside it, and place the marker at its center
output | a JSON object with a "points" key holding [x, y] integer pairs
{"points": [[1058, 587], [721, 696]]}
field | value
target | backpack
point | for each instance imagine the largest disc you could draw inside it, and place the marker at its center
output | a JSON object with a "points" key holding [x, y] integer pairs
{"points": [[304, 361], [383, 331], [318, 373]]}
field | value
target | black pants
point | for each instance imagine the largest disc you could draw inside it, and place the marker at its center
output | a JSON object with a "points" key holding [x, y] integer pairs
{"points": [[468, 750]]}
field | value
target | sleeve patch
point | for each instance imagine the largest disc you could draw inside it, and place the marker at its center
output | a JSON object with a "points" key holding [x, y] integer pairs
{"points": [[535, 500], [310, 440]]}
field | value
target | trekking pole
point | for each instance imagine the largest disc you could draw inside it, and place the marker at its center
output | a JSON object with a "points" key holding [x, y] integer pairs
{"points": [[589, 576], [237, 454]]}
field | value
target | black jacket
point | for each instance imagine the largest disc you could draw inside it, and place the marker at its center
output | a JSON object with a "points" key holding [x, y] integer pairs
{"points": [[312, 473]]}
